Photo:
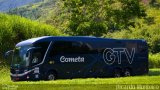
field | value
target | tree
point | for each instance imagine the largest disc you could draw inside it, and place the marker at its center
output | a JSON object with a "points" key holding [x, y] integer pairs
{"points": [[96, 17]]}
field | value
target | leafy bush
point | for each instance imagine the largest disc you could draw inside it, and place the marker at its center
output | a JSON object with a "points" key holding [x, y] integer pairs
{"points": [[14, 29], [154, 60]]}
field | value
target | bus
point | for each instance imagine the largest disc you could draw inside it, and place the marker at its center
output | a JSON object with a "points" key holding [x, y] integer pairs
{"points": [[67, 57]]}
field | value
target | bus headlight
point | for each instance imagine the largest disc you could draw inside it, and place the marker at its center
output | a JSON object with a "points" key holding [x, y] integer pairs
{"points": [[25, 71]]}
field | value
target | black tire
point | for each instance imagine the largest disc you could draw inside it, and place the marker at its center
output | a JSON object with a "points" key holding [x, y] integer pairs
{"points": [[117, 73], [51, 76], [127, 72]]}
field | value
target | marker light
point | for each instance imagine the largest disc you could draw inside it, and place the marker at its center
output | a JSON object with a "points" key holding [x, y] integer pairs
{"points": [[27, 77]]}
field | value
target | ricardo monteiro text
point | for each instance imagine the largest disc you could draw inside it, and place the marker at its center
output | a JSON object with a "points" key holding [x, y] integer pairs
{"points": [[71, 59]]}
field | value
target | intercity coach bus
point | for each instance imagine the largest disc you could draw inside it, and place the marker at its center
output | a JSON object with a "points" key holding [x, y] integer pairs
{"points": [[56, 57]]}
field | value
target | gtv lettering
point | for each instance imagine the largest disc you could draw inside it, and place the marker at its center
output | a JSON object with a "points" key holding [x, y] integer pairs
{"points": [[111, 55]]}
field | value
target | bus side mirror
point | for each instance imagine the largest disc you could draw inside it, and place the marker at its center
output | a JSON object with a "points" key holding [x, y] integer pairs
{"points": [[8, 53]]}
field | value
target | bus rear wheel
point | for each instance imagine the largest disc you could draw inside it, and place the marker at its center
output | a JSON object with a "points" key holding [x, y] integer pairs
{"points": [[127, 72], [117, 73], [51, 76]]}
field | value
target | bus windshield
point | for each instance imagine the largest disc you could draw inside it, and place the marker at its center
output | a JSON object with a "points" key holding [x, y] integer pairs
{"points": [[20, 57]]}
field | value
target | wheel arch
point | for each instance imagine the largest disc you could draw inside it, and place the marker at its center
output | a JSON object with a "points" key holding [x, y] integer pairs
{"points": [[53, 71], [128, 68]]}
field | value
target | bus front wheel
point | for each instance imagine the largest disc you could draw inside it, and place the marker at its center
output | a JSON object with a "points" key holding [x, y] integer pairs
{"points": [[51, 76]]}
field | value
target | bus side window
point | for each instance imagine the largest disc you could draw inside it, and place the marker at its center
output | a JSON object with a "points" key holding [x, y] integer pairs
{"points": [[36, 57], [131, 45], [69, 47], [76, 47], [79, 48], [76, 44], [85, 49], [60, 47], [142, 48]]}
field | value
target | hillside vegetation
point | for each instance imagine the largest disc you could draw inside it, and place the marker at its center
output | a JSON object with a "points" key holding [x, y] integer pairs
{"points": [[38, 11], [6, 5], [14, 29]]}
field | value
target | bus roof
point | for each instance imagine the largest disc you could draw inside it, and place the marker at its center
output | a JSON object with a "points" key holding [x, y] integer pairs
{"points": [[66, 38]]}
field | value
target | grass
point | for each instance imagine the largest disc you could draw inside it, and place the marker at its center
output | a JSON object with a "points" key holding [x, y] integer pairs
{"points": [[153, 78], [154, 61]]}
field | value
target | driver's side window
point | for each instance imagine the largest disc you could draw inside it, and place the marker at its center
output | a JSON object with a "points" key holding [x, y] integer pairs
{"points": [[36, 58]]}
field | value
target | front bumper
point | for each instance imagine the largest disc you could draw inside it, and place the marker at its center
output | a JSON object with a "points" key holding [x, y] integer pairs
{"points": [[26, 76]]}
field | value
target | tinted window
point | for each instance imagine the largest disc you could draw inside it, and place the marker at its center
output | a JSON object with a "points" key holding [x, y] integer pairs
{"points": [[142, 47], [37, 57], [43, 46], [69, 47], [61, 47], [131, 45]]}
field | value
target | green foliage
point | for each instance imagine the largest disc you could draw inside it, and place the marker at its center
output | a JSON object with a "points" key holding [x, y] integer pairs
{"points": [[37, 11], [155, 3], [81, 17], [94, 17], [14, 29], [154, 60]]}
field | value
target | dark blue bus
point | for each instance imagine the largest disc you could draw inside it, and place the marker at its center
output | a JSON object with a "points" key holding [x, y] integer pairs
{"points": [[55, 57]]}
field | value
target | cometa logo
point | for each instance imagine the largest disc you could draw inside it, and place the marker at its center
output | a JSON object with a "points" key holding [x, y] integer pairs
{"points": [[64, 59]]}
